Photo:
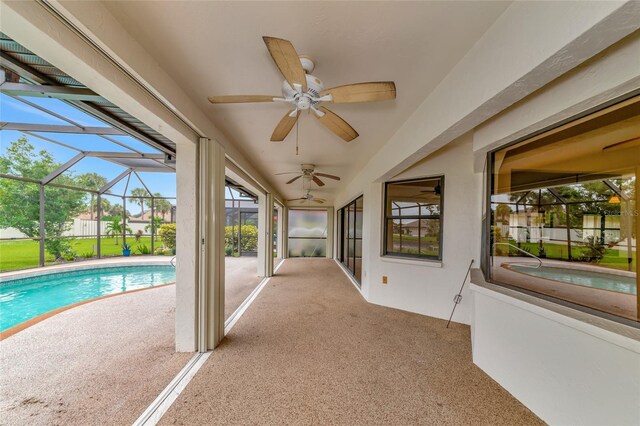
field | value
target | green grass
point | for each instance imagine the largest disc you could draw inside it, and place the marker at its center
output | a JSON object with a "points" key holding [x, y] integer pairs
{"points": [[615, 259], [21, 254]]}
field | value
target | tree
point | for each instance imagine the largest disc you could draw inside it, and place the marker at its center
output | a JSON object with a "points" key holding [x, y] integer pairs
{"points": [[114, 228], [93, 181], [20, 201], [105, 206], [156, 221], [138, 195], [161, 205]]}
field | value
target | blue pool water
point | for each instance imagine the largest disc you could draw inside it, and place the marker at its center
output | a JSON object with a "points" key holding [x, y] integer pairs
{"points": [[25, 298], [580, 277]]}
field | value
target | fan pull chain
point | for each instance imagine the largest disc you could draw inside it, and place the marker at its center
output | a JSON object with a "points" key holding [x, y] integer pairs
{"points": [[297, 122]]}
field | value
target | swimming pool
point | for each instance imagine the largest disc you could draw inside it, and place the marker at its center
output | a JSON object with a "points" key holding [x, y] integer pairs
{"points": [[24, 298], [601, 280]]}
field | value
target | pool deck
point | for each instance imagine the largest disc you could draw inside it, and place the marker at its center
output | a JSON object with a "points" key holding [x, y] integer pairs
{"points": [[617, 303], [105, 361]]}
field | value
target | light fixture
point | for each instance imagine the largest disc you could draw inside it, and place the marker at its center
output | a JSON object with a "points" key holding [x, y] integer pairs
{"points": [[614, 199]]}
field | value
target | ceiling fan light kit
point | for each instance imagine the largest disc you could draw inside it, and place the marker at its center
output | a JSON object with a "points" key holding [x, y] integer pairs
{"points": [[304, 91]]}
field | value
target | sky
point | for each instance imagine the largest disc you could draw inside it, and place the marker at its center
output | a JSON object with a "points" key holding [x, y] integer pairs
{"points": [[12, 110]]}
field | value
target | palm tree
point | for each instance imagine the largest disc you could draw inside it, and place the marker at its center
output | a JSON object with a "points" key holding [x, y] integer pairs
{"points": [[161, 205], [138, 195], [92, 181], [115, 228]]}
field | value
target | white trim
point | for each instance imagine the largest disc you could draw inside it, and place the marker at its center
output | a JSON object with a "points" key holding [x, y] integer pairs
{"points": [[154, 412], [233, 319], [351, 277], [417, 262]]}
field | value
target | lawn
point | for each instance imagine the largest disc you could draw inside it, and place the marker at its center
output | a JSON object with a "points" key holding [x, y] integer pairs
{"points": [[615, 259], [21, 254]]}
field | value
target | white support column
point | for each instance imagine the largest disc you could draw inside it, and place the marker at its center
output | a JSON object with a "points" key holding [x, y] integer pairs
{"points": [[330, 221], [212, 221], [265, 235], [187, 247], [284, 232], [279, 242]]}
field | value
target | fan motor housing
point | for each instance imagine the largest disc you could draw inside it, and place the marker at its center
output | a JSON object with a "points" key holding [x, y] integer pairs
{"points": [[314, 87]]}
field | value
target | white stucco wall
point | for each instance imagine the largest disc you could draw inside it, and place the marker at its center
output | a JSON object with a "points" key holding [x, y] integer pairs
{"points": [[428, 287]]}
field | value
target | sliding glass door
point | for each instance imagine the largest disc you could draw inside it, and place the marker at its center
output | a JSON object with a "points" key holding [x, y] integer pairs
{"points": [[351, 238]]}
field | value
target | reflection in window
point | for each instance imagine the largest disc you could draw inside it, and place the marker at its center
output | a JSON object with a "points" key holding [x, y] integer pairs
{"points": [[564, 216], [307, 233], [413, 218]]}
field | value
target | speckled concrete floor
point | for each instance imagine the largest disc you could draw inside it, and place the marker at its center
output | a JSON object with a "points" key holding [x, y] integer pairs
{"points": [[101, 363], [310, 350], [241, 277]]}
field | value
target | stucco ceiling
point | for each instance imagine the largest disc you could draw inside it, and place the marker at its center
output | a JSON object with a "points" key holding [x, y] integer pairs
{"points": [[216, 48]]}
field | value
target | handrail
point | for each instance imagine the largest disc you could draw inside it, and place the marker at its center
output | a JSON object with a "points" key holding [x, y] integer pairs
{"points": [[172, 261], [524, 265]]}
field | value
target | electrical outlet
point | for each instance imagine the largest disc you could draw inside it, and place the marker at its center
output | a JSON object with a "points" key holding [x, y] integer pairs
{"points": [[384, 279]]}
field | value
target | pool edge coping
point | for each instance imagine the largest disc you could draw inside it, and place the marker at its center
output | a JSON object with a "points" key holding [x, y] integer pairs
{"points": [[35, 320]]}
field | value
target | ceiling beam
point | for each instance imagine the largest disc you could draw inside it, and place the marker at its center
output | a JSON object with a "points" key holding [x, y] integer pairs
{"points": [[103, 154], [51, 128], [57, 172], [44, 91], [117, 179]]}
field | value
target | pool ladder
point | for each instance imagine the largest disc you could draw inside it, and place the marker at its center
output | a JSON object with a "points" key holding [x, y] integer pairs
{"points": [[173, 261], [524, 265]]}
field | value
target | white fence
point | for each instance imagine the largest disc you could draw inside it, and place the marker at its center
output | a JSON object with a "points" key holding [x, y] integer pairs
{"points": [[80, 228]]}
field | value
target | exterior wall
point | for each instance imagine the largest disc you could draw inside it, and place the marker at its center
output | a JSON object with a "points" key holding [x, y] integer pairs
{"points": [[428, 287], [566, 371]]}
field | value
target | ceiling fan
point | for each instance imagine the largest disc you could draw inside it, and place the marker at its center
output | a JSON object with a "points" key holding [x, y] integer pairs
{"points": [[437, 190], [309, 197], [303, 91], [309, 173]]}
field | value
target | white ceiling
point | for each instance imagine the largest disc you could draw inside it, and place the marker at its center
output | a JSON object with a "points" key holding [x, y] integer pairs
{"points": [[216, 48]]}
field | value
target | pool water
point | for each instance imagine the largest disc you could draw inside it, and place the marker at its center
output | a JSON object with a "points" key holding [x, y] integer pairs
{"points": [[580, 277], [24, 298]]}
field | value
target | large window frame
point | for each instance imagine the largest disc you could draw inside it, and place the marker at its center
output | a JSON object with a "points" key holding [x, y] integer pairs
{"points": [[487, 214], [419, 217], [349, 221]]}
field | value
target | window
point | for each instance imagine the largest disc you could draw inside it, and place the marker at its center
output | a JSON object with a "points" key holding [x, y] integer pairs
{"points": [[351, 240], [307, 233], [413, 224], [563, 213]]}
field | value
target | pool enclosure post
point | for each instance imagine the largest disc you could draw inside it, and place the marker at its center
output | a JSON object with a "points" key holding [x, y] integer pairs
{"points": [[98, 215], [153, 224], [42, 225]]}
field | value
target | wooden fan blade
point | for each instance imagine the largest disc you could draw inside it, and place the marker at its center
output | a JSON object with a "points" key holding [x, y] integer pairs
{"points": [[284, 127], [294, 179], [297, 199], [240, 99], [362, 92], [337, 125], [284, 55], [288, 173], [327, 176], [318, 200], [318, 181]]}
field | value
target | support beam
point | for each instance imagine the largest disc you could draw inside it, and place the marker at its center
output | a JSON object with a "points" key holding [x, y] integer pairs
{"points": [[42, 230], [265, 235], [212, 213], [55, 92], [51, 128], [117, 179], [66, 166], [98, 230], [105, 154]]}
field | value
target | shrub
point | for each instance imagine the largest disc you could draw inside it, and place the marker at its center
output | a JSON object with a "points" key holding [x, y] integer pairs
{"points": [[248, 240], [159, 251], [167, 234], [227, 251], [593, 250], [87, 255], [143, 249]]}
